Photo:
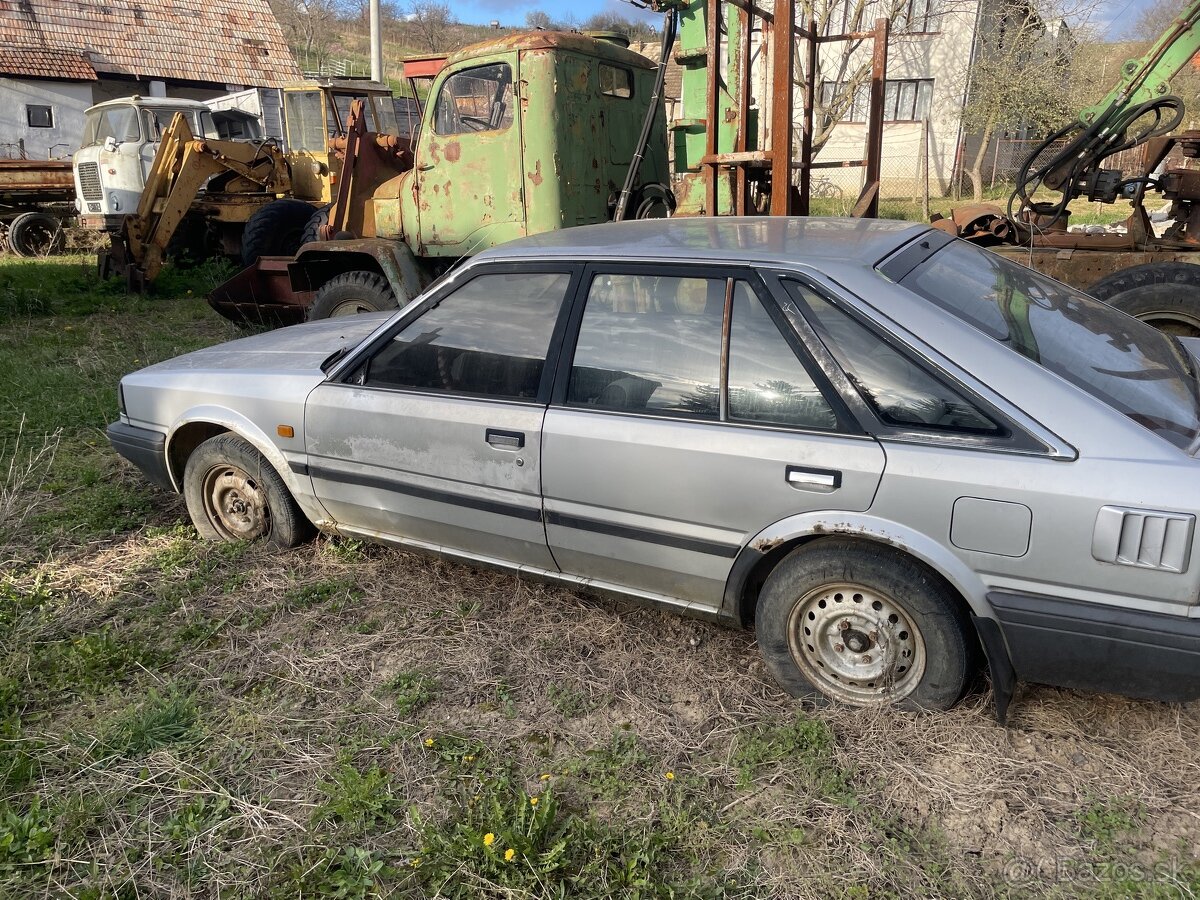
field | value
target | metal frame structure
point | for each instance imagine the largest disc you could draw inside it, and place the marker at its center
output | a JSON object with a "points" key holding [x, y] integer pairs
{"points": [[731, 140]]}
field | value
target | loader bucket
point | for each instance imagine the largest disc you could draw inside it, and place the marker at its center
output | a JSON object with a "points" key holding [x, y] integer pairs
{"points": [[262, 294]]}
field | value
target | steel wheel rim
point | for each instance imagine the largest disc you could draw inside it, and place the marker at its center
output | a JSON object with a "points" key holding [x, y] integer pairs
{"points": [[351, 308], [882, 653], [235, 504], [1169, 322]]}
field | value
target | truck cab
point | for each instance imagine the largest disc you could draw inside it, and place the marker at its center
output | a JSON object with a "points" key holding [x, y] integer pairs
{"points": [[524, 134], [120, 138], [313, 113]]}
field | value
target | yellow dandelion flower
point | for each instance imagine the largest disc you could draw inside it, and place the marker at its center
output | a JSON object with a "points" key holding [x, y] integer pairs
{"points": [[489, 839], [670, 776], [428, 742], [509, 854], [533, 801], [416, 862], [546, 776], [468, 758]]}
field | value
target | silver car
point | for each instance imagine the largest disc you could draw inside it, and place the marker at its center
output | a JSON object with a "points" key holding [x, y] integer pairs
{"points": [[897, 455]]}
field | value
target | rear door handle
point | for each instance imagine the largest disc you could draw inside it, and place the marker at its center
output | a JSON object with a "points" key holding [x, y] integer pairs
{"points": [[822, 481], [505, 440]]}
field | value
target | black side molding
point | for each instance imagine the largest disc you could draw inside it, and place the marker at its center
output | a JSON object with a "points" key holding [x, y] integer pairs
{"points": [[1069, 643]]}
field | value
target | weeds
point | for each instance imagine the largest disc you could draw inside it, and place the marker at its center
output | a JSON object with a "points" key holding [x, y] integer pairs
{"points": [[410, 692], [24, 476], [161, 720]]}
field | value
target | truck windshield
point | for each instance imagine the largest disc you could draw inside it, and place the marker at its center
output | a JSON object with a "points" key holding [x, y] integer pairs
{"points": [[1137, 370], [117, 122]]}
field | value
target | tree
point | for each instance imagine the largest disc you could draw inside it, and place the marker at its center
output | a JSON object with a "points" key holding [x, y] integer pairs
{"points": [[611, 21], [1020, 80], [538, 18], [428, 22], [308, 24]]}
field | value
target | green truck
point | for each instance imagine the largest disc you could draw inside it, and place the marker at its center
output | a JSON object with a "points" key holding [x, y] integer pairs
{"points": [[520, 135]]}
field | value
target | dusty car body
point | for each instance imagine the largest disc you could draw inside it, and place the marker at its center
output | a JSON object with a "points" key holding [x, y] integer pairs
{"points": [[892, 452]]}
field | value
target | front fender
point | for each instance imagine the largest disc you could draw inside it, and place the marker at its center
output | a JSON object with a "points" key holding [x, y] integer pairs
{"points": [[319, 261], [299, 486], [807, 526]]}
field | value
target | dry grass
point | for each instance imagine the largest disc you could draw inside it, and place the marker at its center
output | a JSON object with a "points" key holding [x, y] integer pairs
{"points": [[296, 651]]}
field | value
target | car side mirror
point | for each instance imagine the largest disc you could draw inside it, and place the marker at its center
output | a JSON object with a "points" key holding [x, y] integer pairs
{"points": [[110, 144]]}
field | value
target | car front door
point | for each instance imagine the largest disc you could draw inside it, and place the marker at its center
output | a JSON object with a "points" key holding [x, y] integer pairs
{"points": [[688, 419], [435, 437]]}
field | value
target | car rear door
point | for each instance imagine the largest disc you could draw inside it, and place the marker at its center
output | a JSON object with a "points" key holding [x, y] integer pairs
{"points": [[435, 437], [686, 418]]}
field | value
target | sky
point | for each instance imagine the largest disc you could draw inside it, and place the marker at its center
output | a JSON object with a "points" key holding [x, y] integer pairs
{"points": [[1113, 17], [512, 12]]}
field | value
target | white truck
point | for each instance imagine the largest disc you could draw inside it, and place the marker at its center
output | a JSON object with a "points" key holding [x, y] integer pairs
{"points": [[120, 139]]}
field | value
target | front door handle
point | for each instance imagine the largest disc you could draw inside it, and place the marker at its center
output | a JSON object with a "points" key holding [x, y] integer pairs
{"points": [[823, 481], [424, 167], [505, 440]]}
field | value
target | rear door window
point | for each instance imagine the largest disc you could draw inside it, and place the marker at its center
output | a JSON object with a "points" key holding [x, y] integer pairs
{"points": [[691, 346]]}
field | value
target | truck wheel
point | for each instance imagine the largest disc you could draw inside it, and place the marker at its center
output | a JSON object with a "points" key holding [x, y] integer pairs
{"points": [[862, 624], [1165, 295], [234, 494], [352, 293], [312, 230], [36, 234], [275, 230]]}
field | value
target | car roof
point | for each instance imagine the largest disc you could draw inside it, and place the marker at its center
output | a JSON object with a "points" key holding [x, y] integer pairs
{"points": [[747, 239]]}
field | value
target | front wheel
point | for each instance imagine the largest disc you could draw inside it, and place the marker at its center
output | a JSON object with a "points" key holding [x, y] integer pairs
{"points": [[234, 494], [864, 625], [352, 293]]}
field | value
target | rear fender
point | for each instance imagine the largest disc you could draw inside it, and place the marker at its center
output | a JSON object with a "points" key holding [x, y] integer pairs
{"points": [[808, 526]]}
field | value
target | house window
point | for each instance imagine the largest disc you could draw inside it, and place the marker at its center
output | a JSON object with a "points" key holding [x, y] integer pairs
{"points": [[919, 17], [39, 116], [906, 100]]}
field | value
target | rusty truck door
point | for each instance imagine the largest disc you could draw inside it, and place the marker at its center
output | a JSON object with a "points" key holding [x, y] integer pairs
{"points": [[468, 180]]}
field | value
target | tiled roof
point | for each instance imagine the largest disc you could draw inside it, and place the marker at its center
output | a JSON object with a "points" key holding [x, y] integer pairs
{"points": [[42, 62], [216, 41]]}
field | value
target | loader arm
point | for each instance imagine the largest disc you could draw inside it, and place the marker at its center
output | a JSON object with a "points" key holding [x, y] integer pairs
{"points": [[181, 168], [1139, 108]]}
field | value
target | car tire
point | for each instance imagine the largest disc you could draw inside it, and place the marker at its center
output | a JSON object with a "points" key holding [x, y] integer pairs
{"points": [[1165, 295], [233, 494], [275, 230], [33, 234], [863, 624], [351, 293]]}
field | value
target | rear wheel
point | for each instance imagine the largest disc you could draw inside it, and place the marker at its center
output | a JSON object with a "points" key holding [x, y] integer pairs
{"points": [[36, 234], [234, 494], [1165, 295], [861, 624], [275, 230], [352, 293], [312, 229]]}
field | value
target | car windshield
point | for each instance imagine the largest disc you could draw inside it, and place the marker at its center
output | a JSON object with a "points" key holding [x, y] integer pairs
{"points": [[1137, 370]]}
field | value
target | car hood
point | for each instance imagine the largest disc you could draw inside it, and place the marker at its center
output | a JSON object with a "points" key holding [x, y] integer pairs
{"points": [[295, 348]]}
